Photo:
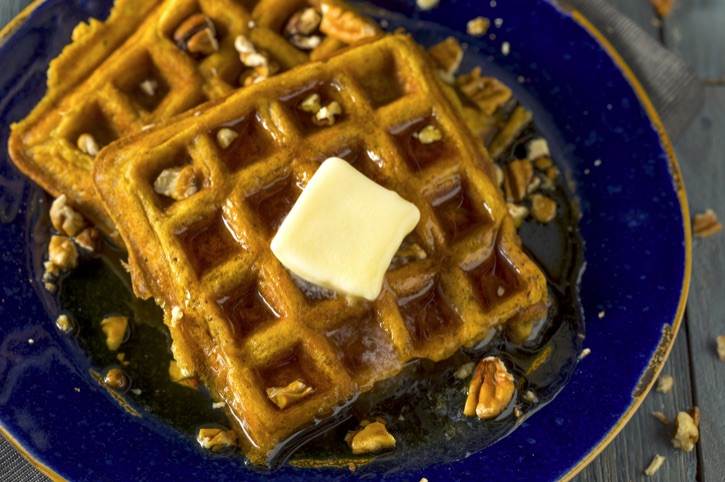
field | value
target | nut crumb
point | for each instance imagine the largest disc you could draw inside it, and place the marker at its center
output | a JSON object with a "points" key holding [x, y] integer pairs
{"points": [[530, 397], [216, 439], [464, 371], [88, 239], [311, 104], [518, 213], [538, 148], [428, 135], [543, 208], [64, 324], [218, 405], [447, 56], [478, 26], [115, 328], [585, 353], [292, 393], [64, 218], [372, 437], [176, 375], [662, 417], [427, 4], [327, 115], [88, 145], [491, 389], [706, 224], [721, 347], [655, 465], [225, 136], [686, 431], [505, 48], [178, 183], [62, 253], [665, 383], [149, 87]]}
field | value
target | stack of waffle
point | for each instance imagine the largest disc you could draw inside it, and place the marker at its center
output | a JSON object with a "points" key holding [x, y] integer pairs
{"points": [[198, 198]]}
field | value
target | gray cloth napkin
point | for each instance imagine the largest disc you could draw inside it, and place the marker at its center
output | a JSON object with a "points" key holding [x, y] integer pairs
{"points": [[674, 89]]}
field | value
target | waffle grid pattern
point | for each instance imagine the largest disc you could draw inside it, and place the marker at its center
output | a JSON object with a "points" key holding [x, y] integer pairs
{"points": [[110, 104], [248, 323]]}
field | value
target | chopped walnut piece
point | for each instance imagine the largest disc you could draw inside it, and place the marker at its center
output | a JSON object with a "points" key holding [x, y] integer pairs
{"points": [[655, 465], [178, 183], [665, 383], [373, 437], [537, 148], [662, 7], [88, 145], [115, 329], [706, 224], [310, 104], [88, 239], [518, 177], [518, 213], [116, 379], [721, 347], [662, 417], [464, 371], [197, 35], [64, 218], [487, 93], [428, 135], [543, 208], [243, 45], [149, 87], [686, 432], [447, 56], [216, 439], [177, 376], [305, 21], [306, 42], [327, 115], [292, 393], [64, 324], [62, 253], [225, 136], [345, 25], [427, 4], [491, 389], [478, 26]]}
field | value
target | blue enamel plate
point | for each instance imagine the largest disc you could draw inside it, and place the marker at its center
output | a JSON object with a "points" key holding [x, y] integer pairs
{"points": [[610, 145]]}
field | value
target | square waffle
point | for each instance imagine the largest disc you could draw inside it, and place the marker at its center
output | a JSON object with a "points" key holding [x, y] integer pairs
{"points": [[129, 73], [243, 323]]}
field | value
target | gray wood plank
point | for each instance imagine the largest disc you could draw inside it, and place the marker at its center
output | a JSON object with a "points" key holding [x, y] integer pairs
{"points": [[696, 31], [10, 8], [701, 149]]}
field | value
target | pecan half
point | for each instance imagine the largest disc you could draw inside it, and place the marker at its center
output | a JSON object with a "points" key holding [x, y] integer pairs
{"points": [[491, 389]]}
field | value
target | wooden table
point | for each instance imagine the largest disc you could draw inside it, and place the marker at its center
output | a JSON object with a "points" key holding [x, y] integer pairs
{"points": [[696, 31]]}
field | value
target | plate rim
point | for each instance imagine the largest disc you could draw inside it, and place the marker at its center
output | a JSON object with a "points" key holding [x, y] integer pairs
{"points": [[661, 354]]}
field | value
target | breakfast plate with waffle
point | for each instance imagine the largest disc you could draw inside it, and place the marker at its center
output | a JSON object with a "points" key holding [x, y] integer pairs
{"points": [[184, 135]]}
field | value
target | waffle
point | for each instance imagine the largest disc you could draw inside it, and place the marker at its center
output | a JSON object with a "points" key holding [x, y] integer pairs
{"points": [[242, 322], [141, 67]]}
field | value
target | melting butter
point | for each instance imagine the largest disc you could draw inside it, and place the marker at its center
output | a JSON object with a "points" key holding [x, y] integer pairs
{"points": [[344, 230]]}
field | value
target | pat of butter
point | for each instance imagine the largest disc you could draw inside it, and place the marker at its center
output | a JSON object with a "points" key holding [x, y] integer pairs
{"points": [[344, 230]]}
